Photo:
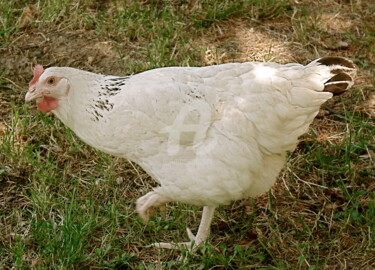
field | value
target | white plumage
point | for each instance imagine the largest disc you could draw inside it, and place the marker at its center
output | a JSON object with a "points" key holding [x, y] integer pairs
{"points": [[207, 135]]}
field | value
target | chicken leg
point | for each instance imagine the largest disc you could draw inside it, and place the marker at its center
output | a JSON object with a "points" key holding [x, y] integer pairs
{"points": [[147, 203], [195, 241]]}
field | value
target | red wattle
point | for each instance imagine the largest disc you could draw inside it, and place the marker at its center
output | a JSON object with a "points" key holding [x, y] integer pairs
{"points": [[47, 104]]}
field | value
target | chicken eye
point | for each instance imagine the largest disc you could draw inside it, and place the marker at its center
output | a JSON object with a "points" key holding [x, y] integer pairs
{"points": [[51, 80]]}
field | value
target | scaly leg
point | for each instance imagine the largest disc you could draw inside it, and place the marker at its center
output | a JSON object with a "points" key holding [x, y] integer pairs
{"points": [[147, 203], [195, 241]]}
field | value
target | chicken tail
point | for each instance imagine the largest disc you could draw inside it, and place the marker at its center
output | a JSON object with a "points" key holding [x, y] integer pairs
{"points": [[343, 73]]}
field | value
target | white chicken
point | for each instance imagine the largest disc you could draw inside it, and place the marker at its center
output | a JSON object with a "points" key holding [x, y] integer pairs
{"points": [[207, 135]]}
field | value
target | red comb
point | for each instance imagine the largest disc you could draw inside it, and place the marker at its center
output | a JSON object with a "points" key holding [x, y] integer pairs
{"points": [[38, 71]]}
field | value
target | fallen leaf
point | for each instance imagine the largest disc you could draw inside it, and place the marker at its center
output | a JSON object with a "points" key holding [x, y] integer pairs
{"points": [[26, 17]]}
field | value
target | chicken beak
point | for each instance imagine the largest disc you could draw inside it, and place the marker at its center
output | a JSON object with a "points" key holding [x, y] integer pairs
{"points": [[32, 94]]}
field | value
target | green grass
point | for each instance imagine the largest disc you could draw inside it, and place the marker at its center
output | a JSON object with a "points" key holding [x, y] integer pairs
{"points": [[64, 205]]}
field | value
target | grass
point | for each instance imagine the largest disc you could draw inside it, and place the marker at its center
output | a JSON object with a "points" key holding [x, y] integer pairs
{"points": [[64, 205]]}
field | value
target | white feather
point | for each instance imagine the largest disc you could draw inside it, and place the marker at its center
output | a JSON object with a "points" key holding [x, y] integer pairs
{"points": [[208, 135]]}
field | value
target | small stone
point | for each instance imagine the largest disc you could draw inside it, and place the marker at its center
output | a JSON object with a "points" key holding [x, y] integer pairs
{"points": [[90, 60], [342, 45], [119, 180]]}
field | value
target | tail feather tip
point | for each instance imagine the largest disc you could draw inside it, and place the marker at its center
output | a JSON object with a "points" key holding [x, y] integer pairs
{"points": [[343, 73]]}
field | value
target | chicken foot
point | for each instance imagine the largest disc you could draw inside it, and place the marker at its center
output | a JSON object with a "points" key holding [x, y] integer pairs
{"points": [[195, 240], [147, 204]]}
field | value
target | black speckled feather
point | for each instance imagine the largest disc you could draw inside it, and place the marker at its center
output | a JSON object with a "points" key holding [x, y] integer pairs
{"points": [[110, 87]]}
